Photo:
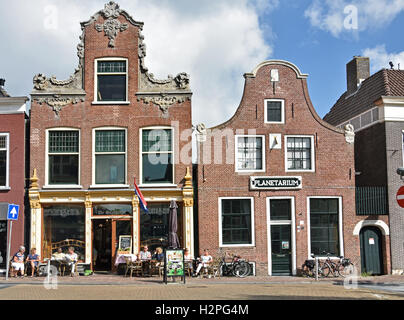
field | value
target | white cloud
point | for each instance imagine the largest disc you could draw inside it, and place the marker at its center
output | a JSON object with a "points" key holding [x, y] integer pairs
{"points": [[214, 41], [380, 58], [329, 15]]}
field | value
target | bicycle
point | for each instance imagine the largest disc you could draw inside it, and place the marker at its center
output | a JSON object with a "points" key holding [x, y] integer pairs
{"points": [[342, 268], [308, 268], [237, 267]]}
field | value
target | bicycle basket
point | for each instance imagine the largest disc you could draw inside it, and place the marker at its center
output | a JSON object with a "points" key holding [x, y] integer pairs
{"points": [[346, 262], [309, 264]]}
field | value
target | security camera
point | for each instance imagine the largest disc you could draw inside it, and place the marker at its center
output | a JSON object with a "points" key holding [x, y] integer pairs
{"points": [[400, 171]]}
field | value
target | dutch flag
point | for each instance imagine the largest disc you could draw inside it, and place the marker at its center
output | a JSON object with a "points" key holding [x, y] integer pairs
{"points": [[142, 201]]}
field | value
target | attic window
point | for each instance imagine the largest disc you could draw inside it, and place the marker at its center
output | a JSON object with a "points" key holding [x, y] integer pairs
{"points": [[111, 80]]}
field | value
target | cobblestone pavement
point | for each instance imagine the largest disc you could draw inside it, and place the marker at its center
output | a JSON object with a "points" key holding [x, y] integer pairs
{"points": [[101, 287]]}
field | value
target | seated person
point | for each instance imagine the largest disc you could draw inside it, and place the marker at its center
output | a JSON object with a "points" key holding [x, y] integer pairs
{"points": [[59, 255], [158, 255], [33, 259], [71, 259], [188, 258], [18, 262], [145, 254], [206, 259]]}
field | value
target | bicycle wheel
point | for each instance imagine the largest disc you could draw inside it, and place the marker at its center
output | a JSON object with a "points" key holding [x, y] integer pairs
{"points": [[324, 270], [241, 269], [307, 272], [345, 271]]}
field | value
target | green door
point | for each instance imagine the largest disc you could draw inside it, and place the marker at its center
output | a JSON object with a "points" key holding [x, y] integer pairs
{"points": [[281, 250], [371, 250]]}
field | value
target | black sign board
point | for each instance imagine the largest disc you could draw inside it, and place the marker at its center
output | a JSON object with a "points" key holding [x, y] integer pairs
{"points": [[275, 183]]}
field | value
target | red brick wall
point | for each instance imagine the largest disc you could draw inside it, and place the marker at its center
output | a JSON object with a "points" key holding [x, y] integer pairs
{"points": [[333, 176], [14, 124], [86, 116]]}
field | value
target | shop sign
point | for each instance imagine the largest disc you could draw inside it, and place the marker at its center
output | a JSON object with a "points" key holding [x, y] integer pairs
{"points": [[174, 264], [275, 183]]}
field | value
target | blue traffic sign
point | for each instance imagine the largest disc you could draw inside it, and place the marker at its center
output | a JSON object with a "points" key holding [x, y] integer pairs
{"points": [[13, 211]]}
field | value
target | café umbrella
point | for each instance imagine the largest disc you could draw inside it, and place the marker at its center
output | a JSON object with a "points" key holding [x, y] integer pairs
{"points": [[173, 241]]}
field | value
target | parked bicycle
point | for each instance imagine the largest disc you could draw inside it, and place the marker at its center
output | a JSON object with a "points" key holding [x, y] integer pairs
{"points": [[341, 268], [237, 267]]}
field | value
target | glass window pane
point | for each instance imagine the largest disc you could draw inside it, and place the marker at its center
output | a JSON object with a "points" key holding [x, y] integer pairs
{"points": [[249, 153], [3, 167], [274, 111], [113, 209], [280, 209], [63, 223], [110, 169], [63, 141], [111, 88], [157, 140], [236, 221], [157, 168], [110, 141], [64, 169], [299, 153], [3, 142], [111, 66]]}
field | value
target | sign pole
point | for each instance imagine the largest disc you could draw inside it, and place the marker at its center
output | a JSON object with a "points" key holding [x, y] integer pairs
{"points": [[9, 249]]}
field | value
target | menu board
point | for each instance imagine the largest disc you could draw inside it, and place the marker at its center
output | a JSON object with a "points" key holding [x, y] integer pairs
{"points": [[125, 244], [174, 263]]}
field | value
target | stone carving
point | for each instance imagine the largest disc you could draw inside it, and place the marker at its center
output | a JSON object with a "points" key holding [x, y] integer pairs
{"points": [[182, 80], [163, 101], [40, 82], [112, 25], [349, 133], [57, 102]]}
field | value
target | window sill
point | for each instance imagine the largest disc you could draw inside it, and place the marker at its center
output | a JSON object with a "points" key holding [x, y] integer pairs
{"points": [[62, 186], [249, 171], [109, 186], [302, 171], [110, 102], [235, 245], [169, 185], [274, 122], [5, 188]]}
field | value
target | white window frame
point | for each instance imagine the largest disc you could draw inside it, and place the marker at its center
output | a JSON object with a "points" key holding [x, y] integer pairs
{"points": [[263, 149], [292, 224], [7, 135], [282, 101], [113, 73], [94, 185], [340, 226], [313, 154], [141, 184], [252, 244], [60, 186]]}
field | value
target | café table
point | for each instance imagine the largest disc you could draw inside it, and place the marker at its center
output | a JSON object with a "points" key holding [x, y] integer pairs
{"points": [[121, 258]]}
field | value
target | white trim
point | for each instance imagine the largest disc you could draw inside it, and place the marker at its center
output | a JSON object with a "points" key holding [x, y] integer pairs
{"points": [[7, 186], [172, 152], [384, 228], [221, 245], [313, 155], [340, 224], [263, 149], [95, 102], [299, 75], [64, 186], [93, 153], [282, 101], [56, 186], [292, 224]]}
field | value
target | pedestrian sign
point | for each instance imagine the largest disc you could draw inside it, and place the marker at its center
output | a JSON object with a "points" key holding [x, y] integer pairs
{"points": [[13, 211]]}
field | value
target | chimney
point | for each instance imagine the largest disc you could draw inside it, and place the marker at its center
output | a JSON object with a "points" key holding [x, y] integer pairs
{"points": [[357, 70], [2, 82]]}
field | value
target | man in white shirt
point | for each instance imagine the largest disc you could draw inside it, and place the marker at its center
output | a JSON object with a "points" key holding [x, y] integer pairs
{"points": [[206, 259], [145, 254], [71, 259]]}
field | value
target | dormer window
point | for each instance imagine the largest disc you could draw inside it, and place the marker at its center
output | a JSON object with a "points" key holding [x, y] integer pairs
{"points": [[274, 111], [111, 83]]}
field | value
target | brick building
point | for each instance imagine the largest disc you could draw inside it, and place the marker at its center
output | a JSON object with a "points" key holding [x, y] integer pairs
{"points": [[13, 120], [276, 182], [93, 133], [373, 105]]}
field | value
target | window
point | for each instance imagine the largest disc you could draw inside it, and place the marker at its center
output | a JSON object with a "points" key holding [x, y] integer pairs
{"points": [[250, 154], [4, 162], [274, 111], [236, 221], [157, 156], [110, 157], [63, 157], [325, 226], [299, 153], [111, 80], [62, 223]]}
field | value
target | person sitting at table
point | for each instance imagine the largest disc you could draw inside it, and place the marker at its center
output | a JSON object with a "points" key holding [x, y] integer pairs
{"points": [[187, 255], [33, 259], [58, 255], [158, 255], [71, 258], [18, 262], [206, 259], [145, 254]]}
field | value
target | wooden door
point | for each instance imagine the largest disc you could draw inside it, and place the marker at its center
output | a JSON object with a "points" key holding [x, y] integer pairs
{"points": [[371, 250]]}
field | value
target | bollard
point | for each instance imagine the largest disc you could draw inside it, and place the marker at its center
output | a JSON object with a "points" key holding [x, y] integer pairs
{"points": [[316, 258]]}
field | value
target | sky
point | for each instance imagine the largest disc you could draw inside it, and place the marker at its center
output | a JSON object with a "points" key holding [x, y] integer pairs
{"points": [[214, 41]]}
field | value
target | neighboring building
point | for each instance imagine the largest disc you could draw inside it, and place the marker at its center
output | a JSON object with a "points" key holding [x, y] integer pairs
{"points": [[275, 182], [94, 132], [374, 106], [13, 118]]}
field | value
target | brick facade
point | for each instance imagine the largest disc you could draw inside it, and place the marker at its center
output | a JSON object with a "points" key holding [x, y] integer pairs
{"points": [[333, 176]]}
